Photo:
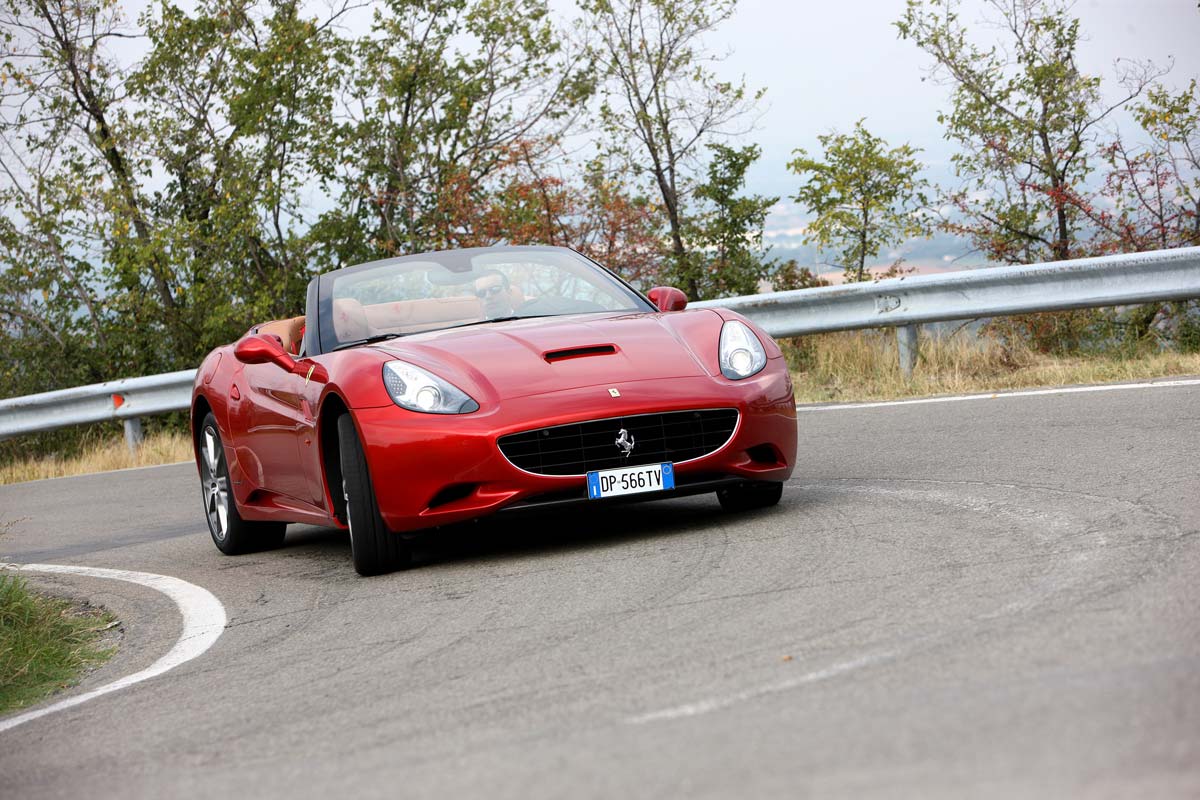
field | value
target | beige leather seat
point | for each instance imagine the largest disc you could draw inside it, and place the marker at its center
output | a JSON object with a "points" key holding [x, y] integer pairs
{"points": [[288, 331], [350, 320]]}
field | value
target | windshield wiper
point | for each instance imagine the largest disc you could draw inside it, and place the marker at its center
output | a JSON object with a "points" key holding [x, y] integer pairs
{"points": [[498, 319], [379, 337]]}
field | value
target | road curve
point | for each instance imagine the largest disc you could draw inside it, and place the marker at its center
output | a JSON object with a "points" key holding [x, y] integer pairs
{"points": [[990, 599]]}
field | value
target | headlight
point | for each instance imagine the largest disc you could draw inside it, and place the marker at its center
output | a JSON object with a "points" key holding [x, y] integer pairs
{"points": [[741, 353], [418, 390]]}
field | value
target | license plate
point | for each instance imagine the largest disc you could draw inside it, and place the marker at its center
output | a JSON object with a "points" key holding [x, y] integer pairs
{"points": [[630, 480]]}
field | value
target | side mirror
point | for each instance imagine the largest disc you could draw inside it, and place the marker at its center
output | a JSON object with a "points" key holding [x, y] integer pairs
{"points": [[668, 298], [263, 349]]}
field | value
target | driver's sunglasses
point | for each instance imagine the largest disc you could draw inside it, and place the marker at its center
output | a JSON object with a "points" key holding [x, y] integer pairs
{"points": [[495, 290]]}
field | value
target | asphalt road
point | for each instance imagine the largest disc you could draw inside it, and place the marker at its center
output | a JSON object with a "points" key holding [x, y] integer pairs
{"points": [[993, 598]]}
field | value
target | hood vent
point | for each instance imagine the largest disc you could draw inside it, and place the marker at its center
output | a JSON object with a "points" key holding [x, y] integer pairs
{"points": [[580, 352]]}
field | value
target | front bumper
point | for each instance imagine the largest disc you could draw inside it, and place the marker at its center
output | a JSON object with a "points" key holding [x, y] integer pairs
{"points": [[430, 470]]}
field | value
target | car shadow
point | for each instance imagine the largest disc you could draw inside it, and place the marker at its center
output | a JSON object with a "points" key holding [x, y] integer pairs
{"points": [[551, 532]]}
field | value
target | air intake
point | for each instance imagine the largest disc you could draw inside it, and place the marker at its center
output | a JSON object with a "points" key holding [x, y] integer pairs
{"points": [[580, 352]]}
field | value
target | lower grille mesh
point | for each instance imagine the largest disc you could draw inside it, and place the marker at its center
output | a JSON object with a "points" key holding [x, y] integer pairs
{"points": [[581, 447]]}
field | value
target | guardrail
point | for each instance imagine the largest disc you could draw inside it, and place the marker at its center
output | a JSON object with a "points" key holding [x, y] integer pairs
{"points": [[904, 303], [127, 400]]}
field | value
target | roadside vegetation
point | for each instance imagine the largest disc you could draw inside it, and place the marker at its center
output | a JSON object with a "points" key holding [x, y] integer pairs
{"points": [[46, 644], [98, 455], [862, 365]]}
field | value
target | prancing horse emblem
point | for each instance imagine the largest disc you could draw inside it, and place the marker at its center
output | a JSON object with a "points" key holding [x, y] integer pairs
{"points": [[625, 442]]}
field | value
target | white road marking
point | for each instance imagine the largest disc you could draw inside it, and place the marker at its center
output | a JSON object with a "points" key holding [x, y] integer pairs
{"points": [[203, 622], [1109, 387], [718, 703]]}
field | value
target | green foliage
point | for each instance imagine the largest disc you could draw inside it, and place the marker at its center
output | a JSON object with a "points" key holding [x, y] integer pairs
{"points": [[431, 123], [864, 197], [155, 211], [790, 275], [45, 644], [101, 275], [1186, 317], [1026, 122], [725, 254], [662, 100]]}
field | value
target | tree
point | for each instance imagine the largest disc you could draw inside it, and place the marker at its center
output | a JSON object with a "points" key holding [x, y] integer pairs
{"points": [[725, 257], [1153, 189], [1150, 200], [440, 93], [661, 96], [789, 276], [1026, 121], [236, 105], [70, 188], [152, 211], [589, 210], [863, 196]]}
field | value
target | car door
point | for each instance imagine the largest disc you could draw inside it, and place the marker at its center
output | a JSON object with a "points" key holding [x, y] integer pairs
{"points": [[278, 418]]}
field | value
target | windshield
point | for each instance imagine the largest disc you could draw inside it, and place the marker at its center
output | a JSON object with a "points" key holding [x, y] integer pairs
{"points": [[435, 291]]}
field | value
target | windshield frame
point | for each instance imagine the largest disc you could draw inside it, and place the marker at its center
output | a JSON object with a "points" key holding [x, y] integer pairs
{"points": [[326, 338]]}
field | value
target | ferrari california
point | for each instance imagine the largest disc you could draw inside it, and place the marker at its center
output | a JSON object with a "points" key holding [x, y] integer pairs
{"points": [[437, 388]]}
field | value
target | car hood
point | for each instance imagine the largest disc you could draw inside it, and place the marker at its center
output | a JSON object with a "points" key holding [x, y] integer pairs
{"points": [[505, 360]]}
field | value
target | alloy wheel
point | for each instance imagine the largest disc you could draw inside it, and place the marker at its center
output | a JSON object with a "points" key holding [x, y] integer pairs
{"points": [[216, 484]]}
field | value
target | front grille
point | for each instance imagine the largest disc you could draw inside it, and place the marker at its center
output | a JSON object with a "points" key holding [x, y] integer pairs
{"points": [[581, 447]]}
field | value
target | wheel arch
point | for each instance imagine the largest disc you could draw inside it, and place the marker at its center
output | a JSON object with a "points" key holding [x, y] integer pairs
{"points": [[200, 409], [332, 407]]}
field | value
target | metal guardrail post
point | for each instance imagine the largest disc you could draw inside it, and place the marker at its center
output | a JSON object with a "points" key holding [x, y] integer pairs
{"points": [[133, 434], [908, 347]]}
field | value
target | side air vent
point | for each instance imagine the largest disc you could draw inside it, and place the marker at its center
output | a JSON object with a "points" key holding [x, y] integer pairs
{"points": [[580, 352]]}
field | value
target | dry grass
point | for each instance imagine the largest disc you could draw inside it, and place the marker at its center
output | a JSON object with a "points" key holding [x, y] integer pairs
{"points": [[110, 454], [862, 365]]}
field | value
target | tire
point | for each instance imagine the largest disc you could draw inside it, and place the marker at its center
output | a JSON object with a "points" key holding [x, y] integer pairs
{"points": [[749, 496], [374, 549], [230, 533]]}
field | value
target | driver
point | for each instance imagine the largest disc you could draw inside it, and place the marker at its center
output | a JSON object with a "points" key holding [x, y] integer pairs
{"points": [[492, 288]]}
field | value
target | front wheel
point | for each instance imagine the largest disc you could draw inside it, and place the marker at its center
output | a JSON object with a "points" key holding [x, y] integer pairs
{"points": [[230, 533], [374, 548], [749, 496]]}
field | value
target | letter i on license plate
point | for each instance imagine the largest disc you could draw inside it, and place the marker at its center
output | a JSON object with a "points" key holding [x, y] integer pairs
{"points": [[630, 480]]}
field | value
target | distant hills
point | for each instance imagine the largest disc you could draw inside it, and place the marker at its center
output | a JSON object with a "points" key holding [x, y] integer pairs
{"points": [[941, 253]]}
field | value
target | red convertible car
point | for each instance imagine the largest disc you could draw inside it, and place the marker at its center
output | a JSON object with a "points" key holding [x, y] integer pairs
{"points": [[436, 388]]}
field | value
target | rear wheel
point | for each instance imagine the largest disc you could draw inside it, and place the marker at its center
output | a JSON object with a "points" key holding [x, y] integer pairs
{"points": [[374, 548], [230, 533], [749, 496]]}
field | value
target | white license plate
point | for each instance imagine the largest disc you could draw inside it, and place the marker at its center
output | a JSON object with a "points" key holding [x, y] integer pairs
{"points": [[630, 480]]}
